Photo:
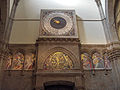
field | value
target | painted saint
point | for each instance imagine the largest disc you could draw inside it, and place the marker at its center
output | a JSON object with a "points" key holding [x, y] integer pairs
{"points": [[86, 61]]}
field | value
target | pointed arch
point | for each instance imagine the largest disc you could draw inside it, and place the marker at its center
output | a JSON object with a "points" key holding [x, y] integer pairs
{"points": [[86, 61], [97, 60], [107, 64], [8, 62], [58, 61], [29, 61], [66, 52], [18, 61]]}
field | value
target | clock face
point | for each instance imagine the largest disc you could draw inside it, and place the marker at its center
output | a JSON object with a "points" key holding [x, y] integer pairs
{"points": [[57, 23]]}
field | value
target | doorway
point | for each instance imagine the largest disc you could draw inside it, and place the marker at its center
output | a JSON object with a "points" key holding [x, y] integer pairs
{"points": [[59, 85]]}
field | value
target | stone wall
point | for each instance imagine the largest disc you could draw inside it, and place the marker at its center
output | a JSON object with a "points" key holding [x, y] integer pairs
{"points": [[94, 79], [18, 80], [3, 7], [99, 80], [4, 13]]}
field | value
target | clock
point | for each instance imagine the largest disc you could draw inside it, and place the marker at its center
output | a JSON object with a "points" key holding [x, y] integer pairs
{"points": [[57, 23]]}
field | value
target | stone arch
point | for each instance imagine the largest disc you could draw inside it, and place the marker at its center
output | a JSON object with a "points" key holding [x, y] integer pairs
{"points": [[94, 51], [104, 51], [86, 60], [85, 51], [18, 59], [29, 60], [97, 59], [8, 61], [107, 63], [58, 61], [64, 50], [19, 50]]}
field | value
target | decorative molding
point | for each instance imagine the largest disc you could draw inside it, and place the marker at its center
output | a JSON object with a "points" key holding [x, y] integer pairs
{"points": [[66, 40], [47, 29], [71, 55], [113, 53]]}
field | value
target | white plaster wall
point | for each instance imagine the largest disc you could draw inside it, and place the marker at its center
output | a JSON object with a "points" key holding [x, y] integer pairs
{"points": [[24, 32], [27, 31], [91, 32]]}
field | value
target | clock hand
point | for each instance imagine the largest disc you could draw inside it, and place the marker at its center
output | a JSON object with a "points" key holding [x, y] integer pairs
{"points": [[56, 21]]}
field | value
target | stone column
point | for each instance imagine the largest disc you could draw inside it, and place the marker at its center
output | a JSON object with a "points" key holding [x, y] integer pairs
{"points": [[111, 19], [5, 39], [114, 57], [78, 84], [3, 57], [3, 6], [9, 23], [104, 22]]}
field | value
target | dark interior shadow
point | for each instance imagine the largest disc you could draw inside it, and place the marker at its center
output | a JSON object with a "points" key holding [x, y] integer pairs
{"points": [[59, 85]]}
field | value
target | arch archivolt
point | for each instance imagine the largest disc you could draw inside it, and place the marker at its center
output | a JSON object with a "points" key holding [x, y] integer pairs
{"points": [[91, 52], [70, 54]]}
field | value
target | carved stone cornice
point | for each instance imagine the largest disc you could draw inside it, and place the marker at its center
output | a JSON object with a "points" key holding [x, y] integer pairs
{"points": [[93, 45], [112, 49], [113, 45], [57, 40]]}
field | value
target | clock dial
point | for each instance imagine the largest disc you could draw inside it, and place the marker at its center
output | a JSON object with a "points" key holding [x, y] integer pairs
{"points": [[58, 22]]}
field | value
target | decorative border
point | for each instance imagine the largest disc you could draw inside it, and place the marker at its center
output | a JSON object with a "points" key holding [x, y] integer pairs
{"points": [[72, 31]]}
